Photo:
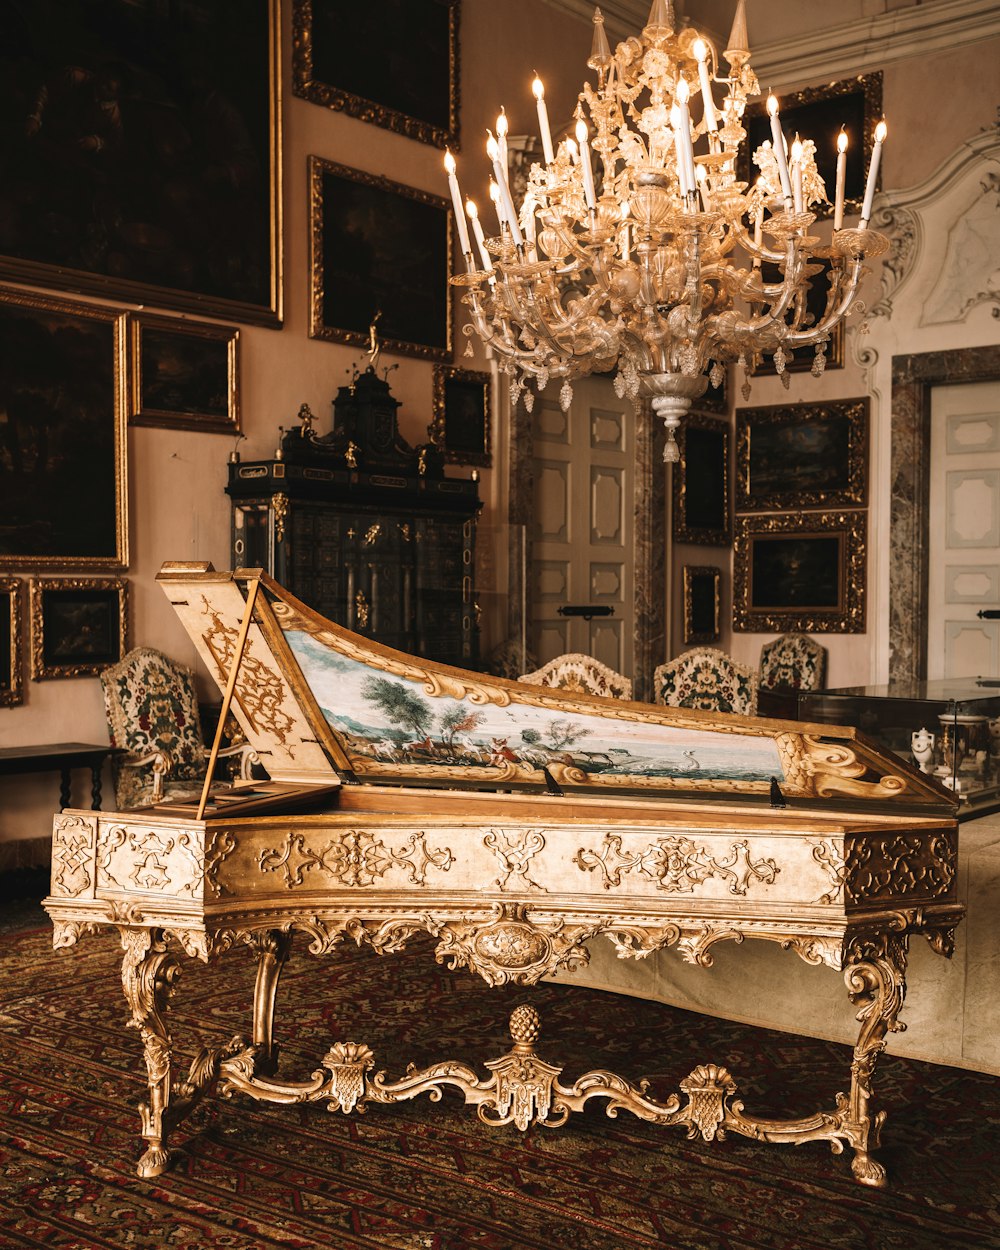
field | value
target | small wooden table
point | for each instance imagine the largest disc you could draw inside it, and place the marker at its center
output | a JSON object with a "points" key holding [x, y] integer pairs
{"points": [[61, 756]]}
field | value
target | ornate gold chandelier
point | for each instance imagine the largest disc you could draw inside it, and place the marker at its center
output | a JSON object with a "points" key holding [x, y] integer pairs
{"points": [[638, 244]]}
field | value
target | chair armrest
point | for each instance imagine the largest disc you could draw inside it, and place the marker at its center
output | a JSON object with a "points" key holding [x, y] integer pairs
{"points": [[248, 758], [161, 762]]}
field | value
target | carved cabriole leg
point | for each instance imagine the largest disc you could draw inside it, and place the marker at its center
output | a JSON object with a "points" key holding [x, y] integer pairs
{"points": [[272, 949], [876, 979], [148, 973]]}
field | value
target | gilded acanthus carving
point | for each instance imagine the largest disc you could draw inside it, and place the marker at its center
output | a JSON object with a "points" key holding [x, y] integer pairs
{"points": [[513, 851], [73, 841], [830, 768], [900, 864], [354, 858], [676, 864], [900, 226]]}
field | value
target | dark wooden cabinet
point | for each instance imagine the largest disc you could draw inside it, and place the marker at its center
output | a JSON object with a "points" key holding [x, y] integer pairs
{"points": [[364, 528]]}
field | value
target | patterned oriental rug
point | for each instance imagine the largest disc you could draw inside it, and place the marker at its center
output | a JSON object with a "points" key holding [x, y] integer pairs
{"points": [[425, 1176]]}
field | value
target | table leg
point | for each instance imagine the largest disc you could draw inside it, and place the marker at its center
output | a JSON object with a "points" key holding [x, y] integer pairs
{"points": [[876, 983], [95, 787], [64, 791], [273, 949], [148, 973]]}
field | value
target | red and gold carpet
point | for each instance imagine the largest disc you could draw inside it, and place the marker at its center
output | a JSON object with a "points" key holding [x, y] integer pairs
{"points": [[431, 1177]]}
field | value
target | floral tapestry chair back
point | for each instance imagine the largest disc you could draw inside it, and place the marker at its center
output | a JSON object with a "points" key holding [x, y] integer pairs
{"points": [[792, 662], [706, 678], [581, 674], [153, 720]]}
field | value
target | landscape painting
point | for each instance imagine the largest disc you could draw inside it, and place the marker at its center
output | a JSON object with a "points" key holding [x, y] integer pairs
{"points": [[393, 720]]}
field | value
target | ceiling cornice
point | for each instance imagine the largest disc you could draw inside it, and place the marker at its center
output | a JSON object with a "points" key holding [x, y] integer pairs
{"points": [[875, 42], [836, 51]]}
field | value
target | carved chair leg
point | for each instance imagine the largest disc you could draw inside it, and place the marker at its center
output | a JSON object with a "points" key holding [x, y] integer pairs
{"points": [[272, 949], [877, 984], [148, 973]]}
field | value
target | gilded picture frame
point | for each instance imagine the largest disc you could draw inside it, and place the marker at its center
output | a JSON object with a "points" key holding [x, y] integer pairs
{"points": [[702, 506], [184, 374], [79, 625], [793, 456], [360, 59], [11, 635], [702, 603], [379, 256], [461, 424], [143, 154], [802, 572], [63, 456], [818, 113]]}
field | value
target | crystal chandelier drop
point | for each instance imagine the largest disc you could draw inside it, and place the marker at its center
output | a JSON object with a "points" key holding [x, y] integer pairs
{"points": [[638, 245]]}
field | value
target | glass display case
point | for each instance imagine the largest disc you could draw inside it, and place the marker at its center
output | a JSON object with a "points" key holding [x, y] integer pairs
{"points": [[949, 729]]}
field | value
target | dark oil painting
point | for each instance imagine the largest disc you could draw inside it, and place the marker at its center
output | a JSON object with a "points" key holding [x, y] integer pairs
{"points": [[394, 63], [382, 249], [81, 627], [136, 149], [701, 482], [797, 572], [184, 375], [61, 465]]}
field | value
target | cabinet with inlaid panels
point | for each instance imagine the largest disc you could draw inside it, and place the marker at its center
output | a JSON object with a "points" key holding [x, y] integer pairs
{"points": [[364, 527]]}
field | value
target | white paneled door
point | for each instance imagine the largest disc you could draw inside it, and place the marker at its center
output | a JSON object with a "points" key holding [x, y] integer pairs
{"points": [[964, 531], [583, 464]]}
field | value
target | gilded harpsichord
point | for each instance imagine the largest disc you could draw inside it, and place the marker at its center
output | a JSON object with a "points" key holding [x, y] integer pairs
{"points": [[515, 824]]}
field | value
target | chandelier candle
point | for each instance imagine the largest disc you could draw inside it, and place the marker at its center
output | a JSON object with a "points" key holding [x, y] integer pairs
{"points": [[838, 208], [456, 202], [648, 249], [866, 212]]}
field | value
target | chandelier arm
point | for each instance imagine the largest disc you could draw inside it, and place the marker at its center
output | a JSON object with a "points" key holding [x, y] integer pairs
{"points": [[821, 330], [745, 239]]}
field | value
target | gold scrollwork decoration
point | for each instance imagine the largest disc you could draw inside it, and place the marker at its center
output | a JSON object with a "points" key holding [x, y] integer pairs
{"points": [[676, 864], [73, 842], [513, 851], [354, 858]]}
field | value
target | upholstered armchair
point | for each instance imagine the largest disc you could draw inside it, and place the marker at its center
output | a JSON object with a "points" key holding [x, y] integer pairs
{"points": [[792, 662], [153, 720], [581, 674], [706, 678]]}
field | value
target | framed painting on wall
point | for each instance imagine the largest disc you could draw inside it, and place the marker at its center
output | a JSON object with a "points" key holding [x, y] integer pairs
{"points": [[802, 572], [461, 421], [819, 114], [802, 456], [394, 63], [702, 607], [79, 625], [379, 255], [701, 482], [184, 374], [11, 663], [141, 151], [62, 444]]}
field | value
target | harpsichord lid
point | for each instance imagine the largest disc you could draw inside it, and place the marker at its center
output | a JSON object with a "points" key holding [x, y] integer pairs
{"points": [[319, 702]]}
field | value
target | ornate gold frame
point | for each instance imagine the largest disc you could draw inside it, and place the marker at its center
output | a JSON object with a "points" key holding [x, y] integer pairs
{"points": [[443, 374], [207, 422], [798, 494], [308, 87], [690, 573], [683, 532], [41, 670], [318, 329], [848, 617], [12, 693], [116, 319]]}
